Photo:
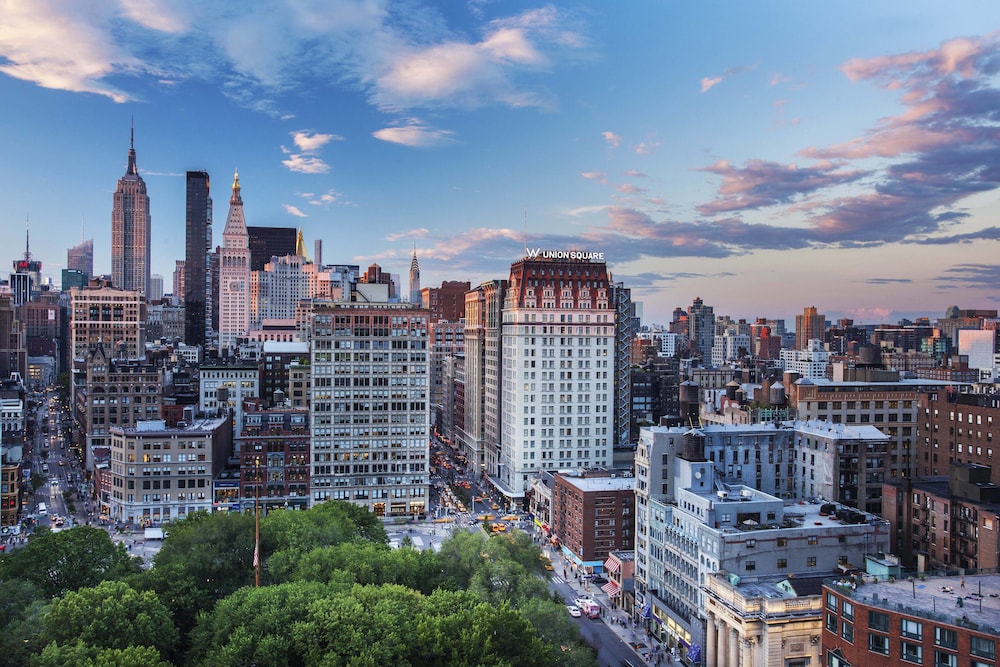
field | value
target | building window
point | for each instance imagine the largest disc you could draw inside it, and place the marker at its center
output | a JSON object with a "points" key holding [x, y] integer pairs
{"points": [[847, 632], [878, 621], [811, 561], [942, 659], [910, 629], [751, 565], [945, 637], [831, 623], [911, 652], [782, 563], [878, 644], [847, 610], [982, 647], [831, 602]]}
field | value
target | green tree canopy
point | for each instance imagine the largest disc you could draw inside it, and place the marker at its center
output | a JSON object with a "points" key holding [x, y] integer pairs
{"points": [[216, 550], [82, 655], [68, 560]]}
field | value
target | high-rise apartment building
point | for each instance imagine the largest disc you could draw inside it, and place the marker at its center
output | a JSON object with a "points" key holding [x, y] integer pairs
{"points": [[13, 351], [415, 279], [701, 329], [234, 274], [558, 399], [481, 430], [130, 230], [197, 247], [81, 258], [810, 325], [369, 407]]}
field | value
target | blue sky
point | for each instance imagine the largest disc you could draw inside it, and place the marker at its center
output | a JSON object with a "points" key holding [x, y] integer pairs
{"points": [[763, 156]]}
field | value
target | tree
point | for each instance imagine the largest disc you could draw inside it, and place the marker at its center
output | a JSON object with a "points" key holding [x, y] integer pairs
{"points": [[179, 592], [369, 564], [110, 615], [254, 626], [68, 560], [82, 655], [216, 550]]}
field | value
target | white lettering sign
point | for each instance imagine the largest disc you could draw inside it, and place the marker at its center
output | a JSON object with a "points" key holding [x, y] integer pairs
{"points": [[538, 253]]}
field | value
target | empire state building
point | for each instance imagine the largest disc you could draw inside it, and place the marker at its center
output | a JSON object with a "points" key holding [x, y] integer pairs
{"points": [[130, 229]]}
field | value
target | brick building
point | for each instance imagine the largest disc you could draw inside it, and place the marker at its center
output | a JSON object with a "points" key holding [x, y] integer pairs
{"points": [[593, 515]]}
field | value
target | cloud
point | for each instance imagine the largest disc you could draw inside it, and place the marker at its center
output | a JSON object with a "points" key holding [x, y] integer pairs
{"points": [[967, 276], [645, 148], [325, 199], [612, 139], [398, 57], [635, 173], [759, 183], [418, 233], [709, 83], [310, 141], [630, 189], [294, 210], [888, 281], [306, 164], [414, 133]]}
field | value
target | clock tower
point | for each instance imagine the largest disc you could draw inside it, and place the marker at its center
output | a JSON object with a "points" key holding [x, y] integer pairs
{"points": [[234, 275]]}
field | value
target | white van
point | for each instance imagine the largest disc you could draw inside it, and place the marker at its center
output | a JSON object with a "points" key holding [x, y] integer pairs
{"points": [[42, 509]]}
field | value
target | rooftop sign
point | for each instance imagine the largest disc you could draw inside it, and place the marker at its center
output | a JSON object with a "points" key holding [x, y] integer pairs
{"points": [[538, 253]]}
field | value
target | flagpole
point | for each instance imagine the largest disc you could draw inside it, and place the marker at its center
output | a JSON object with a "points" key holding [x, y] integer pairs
{"points": [[256, 526]]}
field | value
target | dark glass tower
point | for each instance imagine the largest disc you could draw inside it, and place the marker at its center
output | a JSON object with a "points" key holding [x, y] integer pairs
{"points": [[268, 242], [198, 245]]}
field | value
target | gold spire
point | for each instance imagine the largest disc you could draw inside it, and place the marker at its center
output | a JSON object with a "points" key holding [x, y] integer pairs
{"points": [[300, 246], [236, 181]]}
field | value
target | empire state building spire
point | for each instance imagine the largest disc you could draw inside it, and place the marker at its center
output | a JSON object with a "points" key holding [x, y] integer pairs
{"points": [[130, 228]]}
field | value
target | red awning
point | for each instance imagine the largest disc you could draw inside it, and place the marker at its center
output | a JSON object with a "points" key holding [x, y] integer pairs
{"points": [[611, 588], [611, 565]]}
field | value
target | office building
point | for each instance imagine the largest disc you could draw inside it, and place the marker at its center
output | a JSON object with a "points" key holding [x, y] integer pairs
{"points": [[197, 248], [101, 313], [159, 473], [480, 434], [446, 302], [268, 242], [131, 234], [81, 258], [593, 515], [447, 341], [224, 388], [234, 275], [370, 407], [155, 288]]}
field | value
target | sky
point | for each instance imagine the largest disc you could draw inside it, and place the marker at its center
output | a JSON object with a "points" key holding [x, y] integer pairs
{"points": [[763, 156]]}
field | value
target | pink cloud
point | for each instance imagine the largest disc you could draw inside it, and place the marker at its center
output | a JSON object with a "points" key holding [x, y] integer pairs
{"points": [[708, 83], [612, 139]]}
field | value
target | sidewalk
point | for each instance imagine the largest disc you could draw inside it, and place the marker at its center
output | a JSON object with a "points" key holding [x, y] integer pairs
{"points": [[616, 619]]}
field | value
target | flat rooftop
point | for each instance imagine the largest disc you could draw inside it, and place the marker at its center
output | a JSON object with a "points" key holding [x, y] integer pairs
{"points": [[937, 599]]}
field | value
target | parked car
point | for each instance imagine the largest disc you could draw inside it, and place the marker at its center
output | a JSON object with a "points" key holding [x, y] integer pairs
{"points": [[574, 611]]}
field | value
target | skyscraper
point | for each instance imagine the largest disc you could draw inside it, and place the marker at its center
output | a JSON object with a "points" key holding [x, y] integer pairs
{"points": [[130, 229], [808, 326], [701, 329], [81, 258], [234, 274], [415, 279], [197, 246], [558, 393], [268, 242]]}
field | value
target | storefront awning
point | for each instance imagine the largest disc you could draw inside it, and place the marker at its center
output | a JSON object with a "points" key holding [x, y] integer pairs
{"points": [[611, 588], [611, 565]]}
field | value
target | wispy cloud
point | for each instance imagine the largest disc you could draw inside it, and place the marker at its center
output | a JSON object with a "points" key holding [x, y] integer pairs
{"points": [[310, 141], [294, 210], [400, 60], [647, 148], [306, 164], [709, 82], [612, 139], [413, 132]]}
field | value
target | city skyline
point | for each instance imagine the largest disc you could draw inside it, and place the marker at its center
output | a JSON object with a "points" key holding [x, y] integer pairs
{"points": [[762, 158]]}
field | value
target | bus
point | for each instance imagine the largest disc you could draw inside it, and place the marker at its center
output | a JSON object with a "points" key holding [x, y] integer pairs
{"points": [[42, 509]]}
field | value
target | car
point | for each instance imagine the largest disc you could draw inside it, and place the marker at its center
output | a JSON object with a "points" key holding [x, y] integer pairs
{"points": [[62, 462], [574, 611], [600, 581], [581, 601]]}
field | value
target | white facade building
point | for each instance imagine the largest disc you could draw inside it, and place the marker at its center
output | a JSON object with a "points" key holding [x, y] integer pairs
{"points": [[558, 384], [810, 363], [225, 387], [234, 274]]}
